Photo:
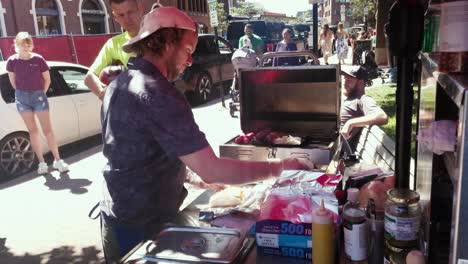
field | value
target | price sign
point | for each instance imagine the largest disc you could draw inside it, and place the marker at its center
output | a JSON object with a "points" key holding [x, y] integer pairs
{"points": [[213, 13]]}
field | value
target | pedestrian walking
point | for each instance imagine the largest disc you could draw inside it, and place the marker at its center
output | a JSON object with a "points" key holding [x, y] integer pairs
{"points": [[326, 41], [341, 43], [286, 44], [150, 136], [29, 75], [128, 14], [251, 40]]}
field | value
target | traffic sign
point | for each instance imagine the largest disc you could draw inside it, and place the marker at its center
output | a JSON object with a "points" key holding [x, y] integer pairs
{"points": [[213, 13], [343, 13]]}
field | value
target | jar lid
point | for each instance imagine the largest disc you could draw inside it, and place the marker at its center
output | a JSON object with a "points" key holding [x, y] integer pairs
{"points": [[403, 196]]}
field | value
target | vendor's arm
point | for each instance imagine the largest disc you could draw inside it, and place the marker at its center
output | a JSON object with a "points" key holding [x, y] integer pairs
{"points": [[174, 128], [230, 171], [95, 85], [103, 60], [193, 179]]}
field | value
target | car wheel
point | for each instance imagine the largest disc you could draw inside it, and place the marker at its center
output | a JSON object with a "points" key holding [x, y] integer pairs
{"points": [[16, 155], [204, 88]]}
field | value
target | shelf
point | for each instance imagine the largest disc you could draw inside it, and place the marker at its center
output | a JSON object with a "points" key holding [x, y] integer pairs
{"points": [[454, 84]]}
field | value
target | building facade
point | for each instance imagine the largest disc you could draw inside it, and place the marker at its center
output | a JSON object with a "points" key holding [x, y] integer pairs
{"points": [[80, 17], [228, 5], [331, 12]]}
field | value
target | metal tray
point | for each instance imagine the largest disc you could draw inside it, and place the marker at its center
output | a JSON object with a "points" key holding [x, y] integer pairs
{"points": [[192, 244], [319, 153]]}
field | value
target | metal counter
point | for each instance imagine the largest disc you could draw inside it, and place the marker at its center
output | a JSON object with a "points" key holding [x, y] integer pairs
{"points": [[189, 217]]}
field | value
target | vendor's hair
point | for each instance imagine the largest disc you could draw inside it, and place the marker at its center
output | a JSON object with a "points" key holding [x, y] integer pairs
{"points": [[158, 40], [22, 37]]}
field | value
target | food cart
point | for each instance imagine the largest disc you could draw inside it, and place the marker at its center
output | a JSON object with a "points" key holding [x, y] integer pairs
{"points": [[304, 102]]}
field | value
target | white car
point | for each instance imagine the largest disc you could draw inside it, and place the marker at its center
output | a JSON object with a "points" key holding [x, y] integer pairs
{"points": [[74, 111]]}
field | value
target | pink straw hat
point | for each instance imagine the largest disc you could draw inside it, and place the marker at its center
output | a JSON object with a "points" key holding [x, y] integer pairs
{"points": [[161, 17]]}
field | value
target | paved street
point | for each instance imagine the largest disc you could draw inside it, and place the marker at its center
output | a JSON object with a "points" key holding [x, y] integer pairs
{"points": [[45, 219]]}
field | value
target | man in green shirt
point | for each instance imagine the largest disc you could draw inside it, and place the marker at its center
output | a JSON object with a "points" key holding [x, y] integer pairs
{"points": [[251, 40], [128, 14]]}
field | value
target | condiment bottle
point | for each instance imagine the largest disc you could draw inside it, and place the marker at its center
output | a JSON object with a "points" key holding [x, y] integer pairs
{"points": [[355, 228], [322, 236]]}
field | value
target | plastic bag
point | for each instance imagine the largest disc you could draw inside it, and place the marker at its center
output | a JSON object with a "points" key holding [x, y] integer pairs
{"points": [[440, 136]]}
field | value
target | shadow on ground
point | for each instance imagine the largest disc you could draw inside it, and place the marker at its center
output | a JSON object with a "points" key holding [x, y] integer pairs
{"points": [[71, 153], [63, 182], [61, 255]]}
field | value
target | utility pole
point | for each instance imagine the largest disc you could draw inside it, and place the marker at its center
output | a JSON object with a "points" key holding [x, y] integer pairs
{"points": [[314, 4]]}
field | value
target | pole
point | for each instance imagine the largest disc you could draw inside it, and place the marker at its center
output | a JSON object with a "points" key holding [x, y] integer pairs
{"points": [[221, 86], [404, 110], [315, 26]]}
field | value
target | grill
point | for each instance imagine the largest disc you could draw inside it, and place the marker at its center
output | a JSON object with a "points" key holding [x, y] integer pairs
{"points": [[299, 101]]}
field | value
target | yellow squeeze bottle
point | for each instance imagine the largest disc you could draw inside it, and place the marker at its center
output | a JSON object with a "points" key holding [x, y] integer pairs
{"points": [[322, 236]]}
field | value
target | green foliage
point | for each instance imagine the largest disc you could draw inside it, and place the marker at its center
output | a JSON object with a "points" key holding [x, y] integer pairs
{"points": [[385, 96], [222, 18], [247, 9], [357, 11], [306, 17]]}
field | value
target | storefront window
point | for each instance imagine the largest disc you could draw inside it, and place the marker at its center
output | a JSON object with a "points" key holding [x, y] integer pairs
{"points": [[47, 17], [93, 17]]}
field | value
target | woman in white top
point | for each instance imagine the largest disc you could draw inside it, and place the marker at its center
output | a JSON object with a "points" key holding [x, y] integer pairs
{"points": [[341, 43], [326, 40]]}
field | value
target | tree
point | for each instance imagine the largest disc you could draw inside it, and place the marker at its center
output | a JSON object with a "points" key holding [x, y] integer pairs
{"points": [[357, 11], [222, 18], [247, 9]]}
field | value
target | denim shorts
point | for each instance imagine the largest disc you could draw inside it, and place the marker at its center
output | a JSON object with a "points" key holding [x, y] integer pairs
{"points": [[31, 101]]}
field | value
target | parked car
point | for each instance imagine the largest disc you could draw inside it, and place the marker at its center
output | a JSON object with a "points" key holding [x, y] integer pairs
{"points": [[211, 67], [74, 112]]}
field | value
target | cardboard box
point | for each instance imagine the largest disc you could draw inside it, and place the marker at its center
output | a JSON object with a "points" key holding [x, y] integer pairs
{"points": [[283, 238]]}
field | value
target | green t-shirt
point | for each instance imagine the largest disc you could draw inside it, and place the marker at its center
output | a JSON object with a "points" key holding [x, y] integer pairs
{"points": [[257, 43], [112, 54]]}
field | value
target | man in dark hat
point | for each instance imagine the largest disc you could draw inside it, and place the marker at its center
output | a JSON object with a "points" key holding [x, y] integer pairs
{"points": [[358, 109]]}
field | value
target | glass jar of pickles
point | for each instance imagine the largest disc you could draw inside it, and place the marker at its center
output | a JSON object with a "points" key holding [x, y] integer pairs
{"points": [[402, 218]]}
